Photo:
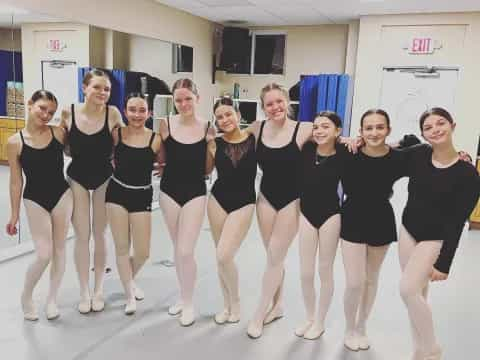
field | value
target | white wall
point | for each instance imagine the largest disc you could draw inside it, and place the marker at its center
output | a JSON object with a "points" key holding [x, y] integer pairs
{"points": [[381, 42], [142, 17], [309, 50]]}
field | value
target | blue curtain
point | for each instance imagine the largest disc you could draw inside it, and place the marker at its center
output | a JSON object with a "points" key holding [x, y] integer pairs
{"points": [[117, 78], [326, 92], [6, 74]]}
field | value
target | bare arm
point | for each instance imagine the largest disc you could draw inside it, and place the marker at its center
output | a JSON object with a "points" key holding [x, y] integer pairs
{"points": [[158, 148], [114, 118], [65, 124], [254, 129], [16, 182]]}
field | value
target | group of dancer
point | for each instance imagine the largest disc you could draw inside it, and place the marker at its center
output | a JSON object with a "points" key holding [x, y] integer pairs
{"points": [[302, 165]]}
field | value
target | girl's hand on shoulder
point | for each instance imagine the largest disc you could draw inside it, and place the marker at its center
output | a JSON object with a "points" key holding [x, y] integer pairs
{"points": [[463, 155], [352, 144], [438, 275]]}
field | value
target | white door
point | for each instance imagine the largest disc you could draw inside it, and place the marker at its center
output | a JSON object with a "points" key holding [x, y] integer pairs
{"points": [[405, 94], [61, 78]]}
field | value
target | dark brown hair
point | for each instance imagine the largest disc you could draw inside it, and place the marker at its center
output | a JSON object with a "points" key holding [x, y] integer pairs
{"points": [[375, 111], [225, 100], [332, 116], [435, 111], [43, 95], [185, 84]]}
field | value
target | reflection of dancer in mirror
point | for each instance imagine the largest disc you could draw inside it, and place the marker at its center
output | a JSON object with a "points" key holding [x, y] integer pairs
{"points": [[231, 204], [38, 151], [368, 222], [319, 229], [183, 188], [442, 193], [129, 195], [279, 140], [89, 126]]}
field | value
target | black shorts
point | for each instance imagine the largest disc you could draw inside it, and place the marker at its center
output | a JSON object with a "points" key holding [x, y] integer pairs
{"points": [[133, 200]]}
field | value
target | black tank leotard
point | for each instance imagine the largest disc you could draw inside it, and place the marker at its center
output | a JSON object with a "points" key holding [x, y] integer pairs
{"points": [[131, 185], [367, 215], [184, 175], [280, 183], [90, 166], [236, 167], [320, 178], [439, 202], [43, 168]]}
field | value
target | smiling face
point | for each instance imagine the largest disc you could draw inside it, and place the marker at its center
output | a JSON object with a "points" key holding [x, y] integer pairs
{"points": [[374, 130], [136, 111], [185, 101], [41, 111], [437, 130], [227, 118], [275, 105], [325, 131], [98, 90]]}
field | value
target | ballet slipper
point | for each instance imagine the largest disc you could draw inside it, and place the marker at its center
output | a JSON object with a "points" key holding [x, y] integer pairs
{"points": [[139, 294], [302, 329], [98, 303], [187, 318], [434, 355], [273, 314], [351, 342], [254, 331], [222, 317], [363, 342], [314, 332], [234, 313], [52, 311], [175, 309], [131, 306], [29, 310], [85, 305]]}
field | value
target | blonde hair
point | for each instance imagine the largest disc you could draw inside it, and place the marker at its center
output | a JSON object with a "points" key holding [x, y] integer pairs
{"points": [[185, 84], [275, 86]]}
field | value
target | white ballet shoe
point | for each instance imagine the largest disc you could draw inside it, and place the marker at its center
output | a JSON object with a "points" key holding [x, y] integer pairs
{"points": [[363, 342], [274, 314], [175, 309], [187, 318], [222, 317], [302, 329], [98, 303], [85, 305], [131, 306], [351, 342], [314, 332], [52, 311], [233, 318], [139, 294], [254, 331], [435, 355], [29, 310]]}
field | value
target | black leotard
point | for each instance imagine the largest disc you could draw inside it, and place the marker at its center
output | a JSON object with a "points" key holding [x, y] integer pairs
{"points": [[236, 167], [43, 168], [280, 183], [439, 202], [90, 166], [184, 175], [320, 177], [367, 215], [131, 185]]}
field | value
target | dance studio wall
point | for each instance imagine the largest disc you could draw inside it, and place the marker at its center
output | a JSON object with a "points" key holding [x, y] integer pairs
{"points": [[142, 17], [381, 42], [309, 50]]}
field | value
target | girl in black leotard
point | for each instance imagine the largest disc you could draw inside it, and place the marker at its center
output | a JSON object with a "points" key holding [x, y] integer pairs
{"points": [[38, 151], [89, 127], [279, 142], [319, 230], [232, 201], [183, 188], [442, 193], [129, 195]]}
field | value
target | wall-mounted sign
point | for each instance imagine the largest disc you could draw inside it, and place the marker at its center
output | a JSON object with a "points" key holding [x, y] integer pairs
{"points": [[56, 45], [422, 46]]}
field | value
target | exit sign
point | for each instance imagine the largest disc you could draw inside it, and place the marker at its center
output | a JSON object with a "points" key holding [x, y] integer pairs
{"points": [[421, 46]]}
